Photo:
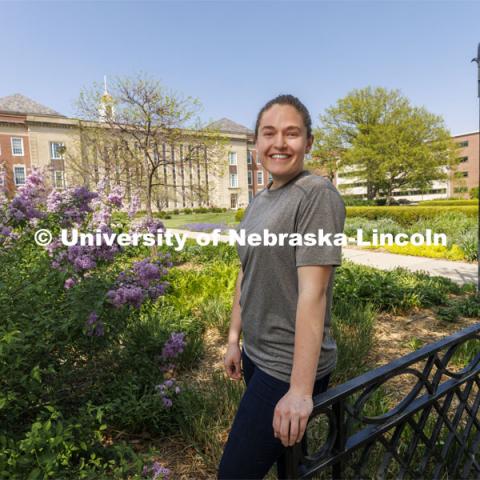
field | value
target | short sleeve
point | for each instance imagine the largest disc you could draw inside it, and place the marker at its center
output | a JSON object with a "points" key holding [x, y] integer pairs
{"points": [[320, 209]]}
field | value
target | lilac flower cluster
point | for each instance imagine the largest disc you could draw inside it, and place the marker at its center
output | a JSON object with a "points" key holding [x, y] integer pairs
{"points": [[205, 227], [105, 202], [94, 325], [115, 197], [149, 225], [173, 346], [134, 205], [7, 236], [69, 283], [157, 470], [73, 204], [81, 258], [166, 390], [25, 205], [142, 283]]}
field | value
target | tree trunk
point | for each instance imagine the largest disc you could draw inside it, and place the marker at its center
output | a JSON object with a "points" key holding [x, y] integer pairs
{"points": [[148, 206]]}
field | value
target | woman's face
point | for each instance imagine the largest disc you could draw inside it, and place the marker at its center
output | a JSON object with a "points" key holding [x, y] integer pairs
{"points": [[282, 140]]}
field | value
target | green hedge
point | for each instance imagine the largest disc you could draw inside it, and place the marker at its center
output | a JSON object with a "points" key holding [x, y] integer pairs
{"points": [[408, 215], [458, 203]]}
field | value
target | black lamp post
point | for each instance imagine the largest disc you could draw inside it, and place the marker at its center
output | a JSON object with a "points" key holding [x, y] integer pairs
{"points": [[477, 59]]}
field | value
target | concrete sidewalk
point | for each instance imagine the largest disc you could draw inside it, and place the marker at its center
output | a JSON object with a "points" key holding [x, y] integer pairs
{"points": [[459, 272]]}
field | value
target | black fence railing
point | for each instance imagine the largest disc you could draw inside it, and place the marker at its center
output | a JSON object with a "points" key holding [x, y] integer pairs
{"points": [[433, 432]]}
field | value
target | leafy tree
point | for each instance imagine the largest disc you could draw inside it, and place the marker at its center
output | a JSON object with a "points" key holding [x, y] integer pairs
{"points": [[377, 137]]}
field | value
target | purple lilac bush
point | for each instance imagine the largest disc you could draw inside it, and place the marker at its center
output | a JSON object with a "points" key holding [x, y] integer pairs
{"points": [[81, 305], [143, 282], [88, 211]]}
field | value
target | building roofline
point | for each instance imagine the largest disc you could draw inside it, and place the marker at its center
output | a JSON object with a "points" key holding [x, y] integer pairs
{"points": [[24, 114], [465, 134]]}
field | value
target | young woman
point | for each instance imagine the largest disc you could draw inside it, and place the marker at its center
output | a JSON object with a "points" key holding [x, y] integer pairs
{"points": [[283, 298]]}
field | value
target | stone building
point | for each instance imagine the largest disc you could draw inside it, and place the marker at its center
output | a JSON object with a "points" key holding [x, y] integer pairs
{"points": [[35, 136]]}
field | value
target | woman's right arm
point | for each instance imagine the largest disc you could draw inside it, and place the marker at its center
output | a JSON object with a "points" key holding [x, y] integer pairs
{"points": [[233, 355]]}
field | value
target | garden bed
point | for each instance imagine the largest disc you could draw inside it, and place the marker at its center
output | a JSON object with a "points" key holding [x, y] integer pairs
{"points": [[394, 337]]}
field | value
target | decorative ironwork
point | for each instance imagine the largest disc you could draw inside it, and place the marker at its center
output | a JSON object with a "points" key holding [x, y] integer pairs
{"points": [[432, 433]]}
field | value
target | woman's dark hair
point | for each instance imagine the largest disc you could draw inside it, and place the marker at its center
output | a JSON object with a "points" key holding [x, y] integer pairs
{"points": [[287, 100]]}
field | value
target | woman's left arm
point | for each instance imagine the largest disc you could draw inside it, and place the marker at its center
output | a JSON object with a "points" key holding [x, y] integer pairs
{"points": [[294, 408]]}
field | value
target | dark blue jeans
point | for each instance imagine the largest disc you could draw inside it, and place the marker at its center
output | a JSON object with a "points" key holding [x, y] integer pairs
{"points": [[251, 448]]}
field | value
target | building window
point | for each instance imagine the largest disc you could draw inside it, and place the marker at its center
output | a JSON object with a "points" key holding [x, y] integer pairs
{"points": [[249, 157], [59, 179], [249, 176], [463, 159], [270, 178], [260, 178], [56, 150], [233, 180], [460, 189], [464, 174], [232, 158], [17, 146], [250, 196], [233, 200], [258, 160], [19, 175], [463, 144]]}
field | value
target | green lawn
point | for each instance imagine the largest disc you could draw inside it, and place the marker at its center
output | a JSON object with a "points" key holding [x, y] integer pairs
{"points": [[177, 221]]}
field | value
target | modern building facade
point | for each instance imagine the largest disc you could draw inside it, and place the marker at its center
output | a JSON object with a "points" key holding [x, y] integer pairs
{"points": [[459, 183], [467, 169]]}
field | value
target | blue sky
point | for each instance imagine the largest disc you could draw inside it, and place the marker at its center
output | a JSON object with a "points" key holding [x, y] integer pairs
{"points": [[234, 56]]}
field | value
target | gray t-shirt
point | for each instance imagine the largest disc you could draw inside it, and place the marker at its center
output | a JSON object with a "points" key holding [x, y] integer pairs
{"points": [[269, 288]]}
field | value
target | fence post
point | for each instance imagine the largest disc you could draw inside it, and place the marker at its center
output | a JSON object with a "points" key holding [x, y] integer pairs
{"points": [[339, 445]]}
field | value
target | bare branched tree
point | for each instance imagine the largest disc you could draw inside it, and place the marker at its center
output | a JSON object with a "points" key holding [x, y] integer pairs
{"points": [[150, 139]]}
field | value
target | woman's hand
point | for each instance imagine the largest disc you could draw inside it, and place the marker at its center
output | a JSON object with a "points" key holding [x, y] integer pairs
{"points": [[232, 361], [291, 416]]}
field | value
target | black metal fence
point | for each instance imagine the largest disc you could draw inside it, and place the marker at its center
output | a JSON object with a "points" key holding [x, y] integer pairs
{"points": [[433, 432]]}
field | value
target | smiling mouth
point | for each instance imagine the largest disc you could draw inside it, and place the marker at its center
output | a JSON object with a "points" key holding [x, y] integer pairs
{"points": [[280, 156]]}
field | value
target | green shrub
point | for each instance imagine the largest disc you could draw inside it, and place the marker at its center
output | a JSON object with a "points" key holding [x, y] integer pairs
{"points": [[407, 215], [209, 253], [469, 245], [468, 306], [453, 224], [200, 210], [239, 214], [217, 209], [429, 251], [390, 290], [447, 202], [382, 225], [50, 370], [59, 447], [352, 201]]}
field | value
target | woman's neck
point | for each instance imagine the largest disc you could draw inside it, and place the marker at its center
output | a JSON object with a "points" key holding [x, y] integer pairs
{"points": [[278, 182]]}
